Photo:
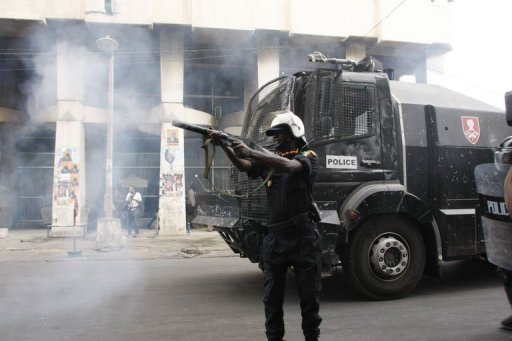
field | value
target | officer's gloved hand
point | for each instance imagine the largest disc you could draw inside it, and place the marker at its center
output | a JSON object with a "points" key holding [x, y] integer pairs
{"points": [[242, 150], [216, 137]]}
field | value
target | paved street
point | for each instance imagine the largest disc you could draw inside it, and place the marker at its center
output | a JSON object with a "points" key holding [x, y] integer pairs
{"points": [[214, 295], [35, 245]]}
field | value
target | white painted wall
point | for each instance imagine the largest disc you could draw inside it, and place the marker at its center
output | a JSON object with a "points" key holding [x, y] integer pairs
{"points": [[23, 9], [419, 21], [422, 22], [331, 17]]}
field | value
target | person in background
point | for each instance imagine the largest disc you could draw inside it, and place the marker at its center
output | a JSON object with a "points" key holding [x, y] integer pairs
{"points": [[133, 201], [191, 206]]}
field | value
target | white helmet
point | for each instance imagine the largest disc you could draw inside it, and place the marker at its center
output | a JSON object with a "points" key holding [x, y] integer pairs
{"points": [[286, 119]]}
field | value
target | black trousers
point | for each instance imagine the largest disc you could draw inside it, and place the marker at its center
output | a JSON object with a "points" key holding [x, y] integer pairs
{"points": [[300, 249], [506, 276]]}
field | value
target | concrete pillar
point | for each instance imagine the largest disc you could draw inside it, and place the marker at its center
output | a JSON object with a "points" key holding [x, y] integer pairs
{"points": [[69, 205], [172, 177], [172, 165], [250, 85], [268, 58], [355, 51], [7, 177], [172, 65], [71, 59]]}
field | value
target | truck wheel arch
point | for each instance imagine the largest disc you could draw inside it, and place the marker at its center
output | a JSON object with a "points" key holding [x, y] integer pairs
{"points": [[391, 198]]}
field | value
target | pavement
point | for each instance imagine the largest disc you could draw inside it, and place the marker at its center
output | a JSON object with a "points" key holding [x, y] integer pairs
{"points": [[28, 245]]}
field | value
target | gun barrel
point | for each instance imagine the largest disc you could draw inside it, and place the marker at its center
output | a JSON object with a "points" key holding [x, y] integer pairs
{"points": [[192, 127], [201, 130]]}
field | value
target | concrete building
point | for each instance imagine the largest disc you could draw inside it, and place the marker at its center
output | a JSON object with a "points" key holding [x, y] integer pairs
{"points": [[195, 60]]}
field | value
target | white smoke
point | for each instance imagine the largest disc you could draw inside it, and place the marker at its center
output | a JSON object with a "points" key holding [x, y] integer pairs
{"points": [[477, 66]]}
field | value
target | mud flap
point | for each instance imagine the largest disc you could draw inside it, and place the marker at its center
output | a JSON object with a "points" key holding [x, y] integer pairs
{"points": [[329, 227]]}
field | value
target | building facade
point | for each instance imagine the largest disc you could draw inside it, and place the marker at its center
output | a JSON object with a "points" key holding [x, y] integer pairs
{"points": [[194, 60]]}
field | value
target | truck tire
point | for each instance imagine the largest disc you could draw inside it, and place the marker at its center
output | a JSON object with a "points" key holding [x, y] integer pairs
{"points": [[385, 258]]}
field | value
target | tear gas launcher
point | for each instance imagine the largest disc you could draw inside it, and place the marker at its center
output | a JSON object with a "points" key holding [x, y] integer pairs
{"points": [[225, 137]]}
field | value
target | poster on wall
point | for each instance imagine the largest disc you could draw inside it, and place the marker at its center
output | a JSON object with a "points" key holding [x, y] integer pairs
{"points": [[171, 176], [66, 185], [172, 169]]}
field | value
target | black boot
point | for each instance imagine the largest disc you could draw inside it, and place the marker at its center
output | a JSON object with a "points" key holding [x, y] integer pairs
{"points": [[507, 323], [507, 284]]}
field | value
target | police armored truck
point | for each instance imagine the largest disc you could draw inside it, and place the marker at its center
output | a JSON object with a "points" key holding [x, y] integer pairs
{"points": [[395, 184]]}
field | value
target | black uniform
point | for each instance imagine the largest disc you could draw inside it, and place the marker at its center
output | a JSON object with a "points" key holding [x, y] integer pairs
{"points": [[292, 241], [506, 276]]}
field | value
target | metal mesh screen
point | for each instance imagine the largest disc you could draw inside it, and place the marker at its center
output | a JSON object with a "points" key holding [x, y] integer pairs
{"points": [[275, 96], [358, 110], [255, 206], [327, 114], [318, 109]]}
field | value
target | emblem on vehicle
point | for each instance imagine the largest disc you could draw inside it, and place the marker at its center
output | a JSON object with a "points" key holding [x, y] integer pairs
{"points": [[471, 128]]}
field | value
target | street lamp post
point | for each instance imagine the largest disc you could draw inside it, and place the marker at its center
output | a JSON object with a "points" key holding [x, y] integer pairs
{"points": [[109, 45]]}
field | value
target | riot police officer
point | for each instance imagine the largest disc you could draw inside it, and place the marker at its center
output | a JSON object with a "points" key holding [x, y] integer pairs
{"points": [[503, 158], [292, 239], [506, 274]]}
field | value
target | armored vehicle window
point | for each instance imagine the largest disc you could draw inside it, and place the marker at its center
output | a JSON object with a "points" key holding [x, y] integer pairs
{"points": [[273, 97], [358, 111], [332, 108]]}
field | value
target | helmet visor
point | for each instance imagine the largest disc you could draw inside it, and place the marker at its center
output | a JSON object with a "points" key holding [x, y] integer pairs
{"points": [[277, 130]]}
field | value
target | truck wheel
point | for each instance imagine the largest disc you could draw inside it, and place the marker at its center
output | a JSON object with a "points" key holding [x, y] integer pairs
{"points": [[385, 258]]}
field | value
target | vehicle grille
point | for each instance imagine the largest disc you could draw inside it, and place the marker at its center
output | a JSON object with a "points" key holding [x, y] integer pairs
{"points": [[254, 206]]}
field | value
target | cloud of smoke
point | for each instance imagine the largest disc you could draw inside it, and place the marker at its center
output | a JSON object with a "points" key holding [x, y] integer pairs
{"points": [[479, 45], [66, 66]]}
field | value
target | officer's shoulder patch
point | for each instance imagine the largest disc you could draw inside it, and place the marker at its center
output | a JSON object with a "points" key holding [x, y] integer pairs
{"points": [[308, 153]]}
